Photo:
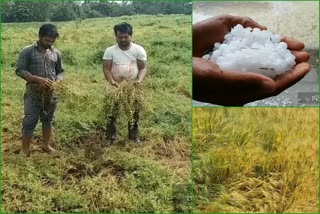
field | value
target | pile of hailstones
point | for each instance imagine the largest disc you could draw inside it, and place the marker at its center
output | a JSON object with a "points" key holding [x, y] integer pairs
{"points": [[247, 49]]}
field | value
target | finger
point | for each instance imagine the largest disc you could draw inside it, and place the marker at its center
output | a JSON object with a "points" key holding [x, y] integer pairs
{"points": [[247, 22], [48, 81], [49, 84], [293, 44], [301, 56], [289, 78]]}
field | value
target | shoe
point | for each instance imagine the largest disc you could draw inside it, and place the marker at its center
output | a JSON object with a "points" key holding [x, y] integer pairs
{"points": [[111, 133], [133, 131]]}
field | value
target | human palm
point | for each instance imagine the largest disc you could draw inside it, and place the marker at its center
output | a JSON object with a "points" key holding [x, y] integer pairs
{"points": [[229, 87]]}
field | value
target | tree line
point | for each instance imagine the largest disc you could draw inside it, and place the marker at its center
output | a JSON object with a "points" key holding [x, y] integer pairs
{"points": [[66, 11]]}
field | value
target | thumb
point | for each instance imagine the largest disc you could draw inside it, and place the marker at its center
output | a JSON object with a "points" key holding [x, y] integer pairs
{"points": [[247, 22]]}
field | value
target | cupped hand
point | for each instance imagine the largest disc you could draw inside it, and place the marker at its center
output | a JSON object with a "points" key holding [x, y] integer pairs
{"points": [[234, 88], [212, 30]]}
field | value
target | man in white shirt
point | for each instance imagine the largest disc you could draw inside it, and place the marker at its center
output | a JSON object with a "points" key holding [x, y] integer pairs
{"points": [[124, 61]]}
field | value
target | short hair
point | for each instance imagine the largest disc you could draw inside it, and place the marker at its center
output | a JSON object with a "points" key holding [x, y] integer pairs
{"points": [[123, 28], [48, 30]]}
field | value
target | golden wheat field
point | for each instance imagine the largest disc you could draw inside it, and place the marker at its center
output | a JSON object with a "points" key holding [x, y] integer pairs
{"points": [[255, 159]]}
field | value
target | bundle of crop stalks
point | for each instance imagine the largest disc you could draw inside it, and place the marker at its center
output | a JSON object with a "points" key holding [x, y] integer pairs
{"points": [[255, 194], [128, 95], [70, 93], [63, 90]]}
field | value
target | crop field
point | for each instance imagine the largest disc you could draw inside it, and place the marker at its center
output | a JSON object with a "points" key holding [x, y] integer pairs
{"points": [[255, 159], [85, 175]]}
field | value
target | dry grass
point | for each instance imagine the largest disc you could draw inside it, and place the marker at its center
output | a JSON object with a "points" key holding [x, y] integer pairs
{"points": [[128, 95], [85, 175], [256, 160]]}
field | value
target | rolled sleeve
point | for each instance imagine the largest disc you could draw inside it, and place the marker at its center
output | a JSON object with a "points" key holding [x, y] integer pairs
{"points": [[59, 67], [22, 64]]}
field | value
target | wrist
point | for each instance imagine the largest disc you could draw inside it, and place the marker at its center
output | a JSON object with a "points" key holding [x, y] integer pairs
{"points": [[33, 79], [39, 79]]}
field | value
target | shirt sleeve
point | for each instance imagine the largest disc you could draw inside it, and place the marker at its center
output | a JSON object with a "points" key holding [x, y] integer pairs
{"points": [[142, 55], [22, 64], [59, 67], [107, 54]]}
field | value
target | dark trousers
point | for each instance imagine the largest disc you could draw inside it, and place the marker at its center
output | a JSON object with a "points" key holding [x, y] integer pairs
{"points": [[133, 128], [38, 105]]}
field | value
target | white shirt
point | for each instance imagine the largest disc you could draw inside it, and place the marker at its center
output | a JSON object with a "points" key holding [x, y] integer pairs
{"points": [[124, 62]]}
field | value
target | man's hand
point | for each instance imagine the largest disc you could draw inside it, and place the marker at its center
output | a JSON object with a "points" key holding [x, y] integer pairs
{"points": [[44, 83], [138, 82], [216, 86], [114, 83], [234, 88]]}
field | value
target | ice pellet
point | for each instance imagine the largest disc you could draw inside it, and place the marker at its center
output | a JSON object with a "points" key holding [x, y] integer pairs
{"points": [[247, 49]]}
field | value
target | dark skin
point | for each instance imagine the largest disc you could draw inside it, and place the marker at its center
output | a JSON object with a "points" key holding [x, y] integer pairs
{"points": [[233, 88], [123, 40], [45, 43]]}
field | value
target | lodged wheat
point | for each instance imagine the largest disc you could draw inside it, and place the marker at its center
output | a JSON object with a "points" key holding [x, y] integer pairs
{"points": [[129, 95]]}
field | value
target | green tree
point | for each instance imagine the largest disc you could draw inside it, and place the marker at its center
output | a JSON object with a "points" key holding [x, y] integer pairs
{"points": [[123, 9], [104, 8], [42, 11], [6, 12], [21, 12], [67, 11], [13, 11], [162, 7]]}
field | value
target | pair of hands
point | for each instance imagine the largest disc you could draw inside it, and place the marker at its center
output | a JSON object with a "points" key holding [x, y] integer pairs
{"points": [[234, 88], [115, 84], [46, 84]]}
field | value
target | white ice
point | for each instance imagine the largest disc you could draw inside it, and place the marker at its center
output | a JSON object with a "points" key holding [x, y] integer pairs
{"points": [[247, 49]]}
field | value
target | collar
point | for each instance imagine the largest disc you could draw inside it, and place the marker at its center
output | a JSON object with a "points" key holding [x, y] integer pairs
{"points": [[126, 49], [38, 46]]}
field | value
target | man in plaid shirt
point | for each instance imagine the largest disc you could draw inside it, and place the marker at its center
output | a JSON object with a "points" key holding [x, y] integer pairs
{"points": [[40, 65]]}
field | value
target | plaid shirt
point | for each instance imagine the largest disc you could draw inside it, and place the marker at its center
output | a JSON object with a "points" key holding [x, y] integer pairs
{"points": [[33, 61]]}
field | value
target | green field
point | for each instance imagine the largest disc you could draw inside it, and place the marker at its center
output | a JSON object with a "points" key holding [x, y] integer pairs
{"points": [[84, 175], [256, 159]]}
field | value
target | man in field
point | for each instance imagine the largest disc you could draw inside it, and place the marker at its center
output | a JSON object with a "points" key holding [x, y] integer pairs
{"points": [[40, 65], [124, 61]]}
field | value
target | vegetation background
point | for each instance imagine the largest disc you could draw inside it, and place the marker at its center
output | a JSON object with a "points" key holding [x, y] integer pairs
{"points": [[256, 159], [76, 10], [84, 175]]}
